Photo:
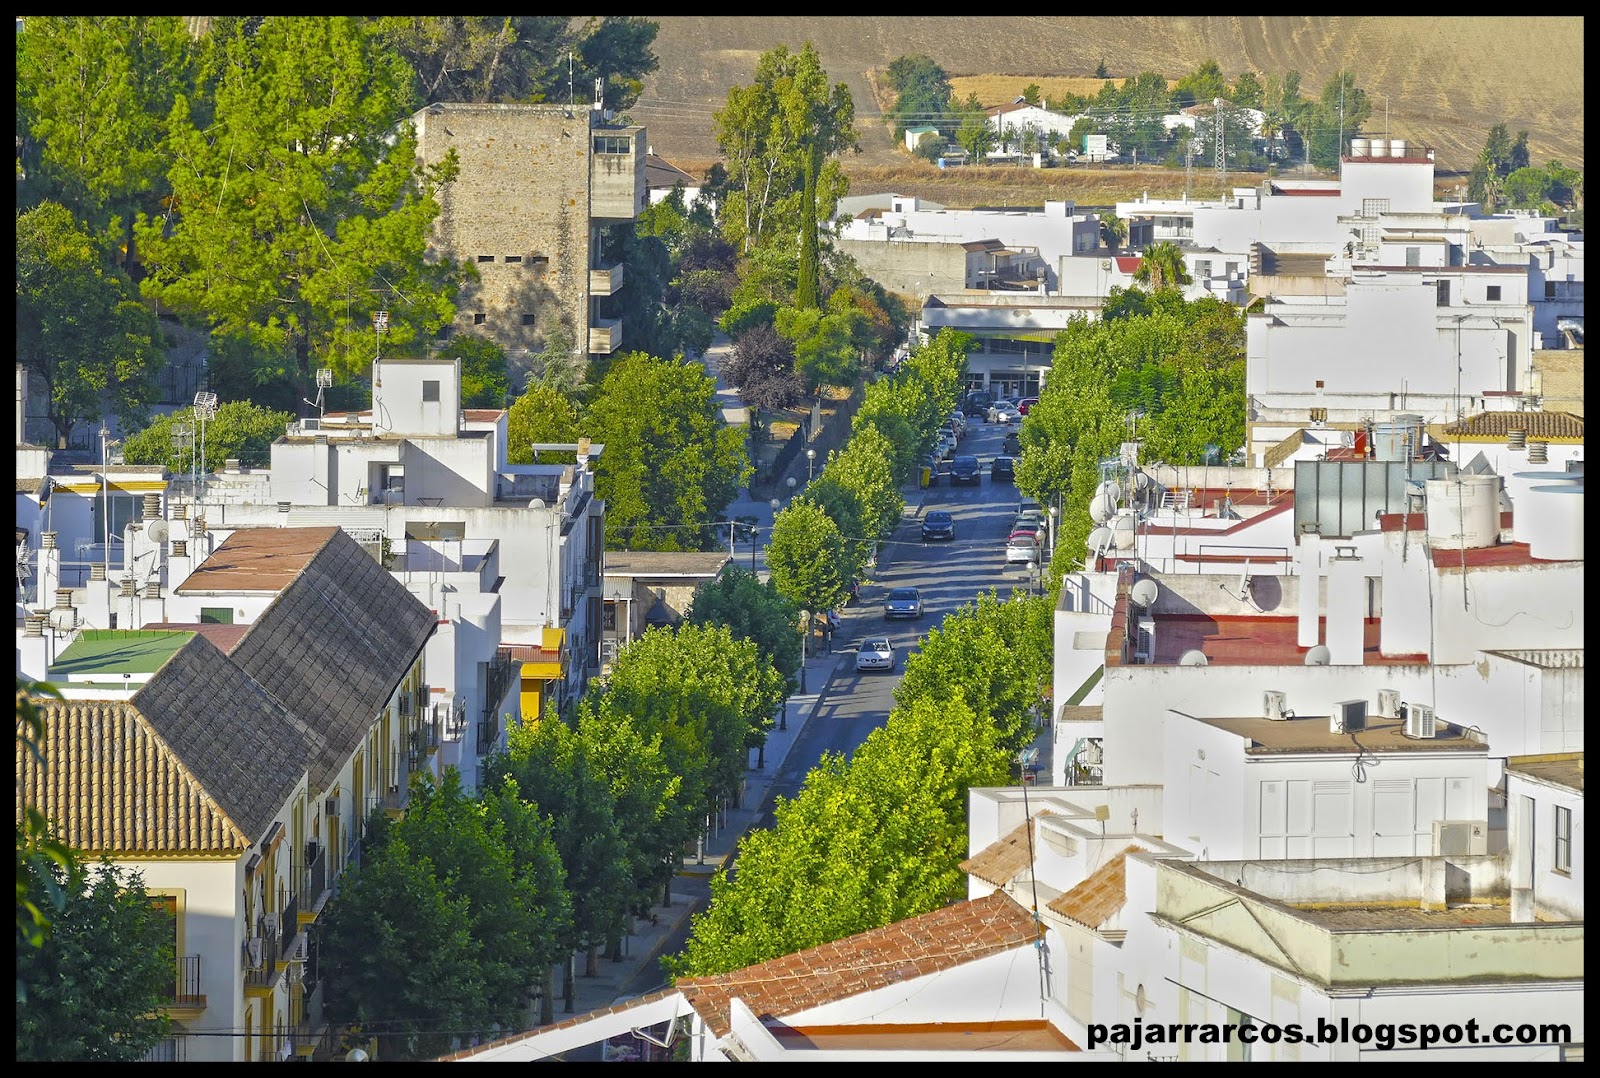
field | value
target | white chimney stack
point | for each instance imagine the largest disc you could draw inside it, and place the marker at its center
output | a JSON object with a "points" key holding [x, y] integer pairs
{"points": [[1347, 602]]}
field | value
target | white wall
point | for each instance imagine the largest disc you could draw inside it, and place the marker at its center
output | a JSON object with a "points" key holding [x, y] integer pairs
{"points": [[1556, 894], [397, 404], [212, 926]]}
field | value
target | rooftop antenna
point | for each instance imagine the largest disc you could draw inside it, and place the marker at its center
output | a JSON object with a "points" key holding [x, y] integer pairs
{"points": [[380, 322], [1222, 152], [1026, 759], [205, 410], [324, 380], [571, 97], [24, 569]]}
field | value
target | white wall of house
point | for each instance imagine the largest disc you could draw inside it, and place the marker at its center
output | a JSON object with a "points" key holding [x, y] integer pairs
{"points": [[1230, 805], [1533, 806], [211, 925], [242, 608], [420, 397]]}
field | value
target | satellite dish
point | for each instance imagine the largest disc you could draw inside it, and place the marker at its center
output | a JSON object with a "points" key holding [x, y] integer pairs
{"points": [[1122, 532], [1101, 506], [1319, 656], [1144, 592], [1140, 481], [1107, 487], [537, 503], [1194, 657], [1099, 539], [158, 531]]}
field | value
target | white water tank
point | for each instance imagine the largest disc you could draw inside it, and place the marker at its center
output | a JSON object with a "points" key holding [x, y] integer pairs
{"points": [[1360, 147], [1517, 486], [1557, 531], [1397, 147], [1398, 439], [1379, 147], [1463, 513]]}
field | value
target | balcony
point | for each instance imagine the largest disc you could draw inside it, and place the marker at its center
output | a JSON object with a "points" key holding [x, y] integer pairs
{"points": [[605, 336], [606, 282], [261, 950], [171, 1050], [311, 876], [186, 1001]]}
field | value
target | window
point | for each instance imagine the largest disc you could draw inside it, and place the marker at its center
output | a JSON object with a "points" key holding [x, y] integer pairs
{"points": [[1563, 859], [1443, 293], [125, 509], [540, 260], [1202, 267], [1233, 269], [486, 258], [613, 144], [513, 258], [430, 390], [1494, 293], [1549, 290], [216, 615], [444, 333], [1413, 256], [477, 318]]}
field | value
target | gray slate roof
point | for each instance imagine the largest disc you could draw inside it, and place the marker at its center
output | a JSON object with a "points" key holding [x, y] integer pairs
{"points": [[333, 646]]}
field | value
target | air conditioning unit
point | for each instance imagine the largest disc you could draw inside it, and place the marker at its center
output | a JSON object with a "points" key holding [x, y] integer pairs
{"points": [[270, 923], [255, 950], [1349, 717], [1419, 720], [1389, 703], [1460, 837], [1274, 704]]}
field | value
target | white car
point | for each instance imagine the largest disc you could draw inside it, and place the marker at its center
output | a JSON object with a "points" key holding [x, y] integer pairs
{"points": [[875, 654], [1003, 413]]}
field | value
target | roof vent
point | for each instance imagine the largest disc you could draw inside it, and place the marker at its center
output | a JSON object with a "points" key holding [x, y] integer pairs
{"points": [[1538, 452], [1516, 438]]}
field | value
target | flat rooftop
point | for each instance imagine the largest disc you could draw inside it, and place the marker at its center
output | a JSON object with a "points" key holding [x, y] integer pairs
{"points": [[105, 655], [258, 560], [1309, 733], [1254, 641], [1563, 769], [1371, 917]]}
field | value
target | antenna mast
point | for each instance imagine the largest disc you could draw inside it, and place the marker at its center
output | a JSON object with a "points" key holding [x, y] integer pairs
{"points": [[1222, 150]]}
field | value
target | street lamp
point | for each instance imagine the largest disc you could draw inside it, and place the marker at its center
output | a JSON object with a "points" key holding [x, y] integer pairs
{"points": [[1033, 571], [1055, 511], [790, 481], [811, 463]]}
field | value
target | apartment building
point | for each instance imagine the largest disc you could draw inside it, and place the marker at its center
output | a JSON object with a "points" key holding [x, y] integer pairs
{"points": [[539, 189]]}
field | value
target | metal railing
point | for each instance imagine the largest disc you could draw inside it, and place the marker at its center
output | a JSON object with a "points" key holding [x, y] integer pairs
{"points": [[171, 1050], [186, 984]]}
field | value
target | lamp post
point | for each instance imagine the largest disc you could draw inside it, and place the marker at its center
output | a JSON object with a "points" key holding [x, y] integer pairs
{"points": [[1055, 511], [790, 481], [811, 464], [805, 631], [1033, 571]]}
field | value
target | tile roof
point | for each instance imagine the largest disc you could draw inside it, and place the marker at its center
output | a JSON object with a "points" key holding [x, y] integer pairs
{"points": [[335, 643], [257, 559], [916, 947], [1097, 899], [197, 761], [1536, 425], [648, 563], [1006, 858], [225, 637]]}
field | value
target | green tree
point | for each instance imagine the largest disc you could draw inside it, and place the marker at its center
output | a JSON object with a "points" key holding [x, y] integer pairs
{"points": [[1203, 85], [865, 466], [753, 611], [485, 382], [98, 983], [761, 366], [807, 558], [399, 955], [974, 133], [1161, 266], [297, 209], [239, 431], [40, 855], [1113, 230], [1247, 93], [669, 460], [542, 416], [1031, 93], [81, 330], [1100, 71], [548, 764], [94, 93], [922, 93], [827, 344]]}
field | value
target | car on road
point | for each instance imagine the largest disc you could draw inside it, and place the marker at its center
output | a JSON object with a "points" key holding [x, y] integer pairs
{"points": [[875, 654], [938, 525], [977, 402], [1013, 444], [964, 469], [1026, 403], [1003, 412], [905, 602], [1022, 546], [1003, 468]]}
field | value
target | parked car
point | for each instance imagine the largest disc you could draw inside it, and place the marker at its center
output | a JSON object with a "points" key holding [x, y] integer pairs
{"points": [[1025, 403], [977, 402], [938, 524], [1013, 444], [947, 449], [1003, 468], [958, 419], [964, 469], [1032, 527], [1022, 546], [875, 654], [1003, 412], [903, 603]]}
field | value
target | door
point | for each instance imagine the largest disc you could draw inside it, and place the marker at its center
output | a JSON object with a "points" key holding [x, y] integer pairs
{"points": [[1394, 823]]}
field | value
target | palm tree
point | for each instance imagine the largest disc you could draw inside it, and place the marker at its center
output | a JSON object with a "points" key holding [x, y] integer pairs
{"points": [[1113, 230], [1162, 267]]}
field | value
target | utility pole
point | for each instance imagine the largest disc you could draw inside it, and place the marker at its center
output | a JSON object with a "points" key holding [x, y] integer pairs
{"points": [[1221, 147]]}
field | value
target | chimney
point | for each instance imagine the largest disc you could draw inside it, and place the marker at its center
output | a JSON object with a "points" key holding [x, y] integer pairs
{"points": [[1308, 630], [49, 571], [1538, 452], [1347, 601], [152, 505]]}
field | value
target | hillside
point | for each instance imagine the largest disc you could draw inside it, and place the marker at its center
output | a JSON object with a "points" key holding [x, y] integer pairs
{"points": [[1443, 82]]}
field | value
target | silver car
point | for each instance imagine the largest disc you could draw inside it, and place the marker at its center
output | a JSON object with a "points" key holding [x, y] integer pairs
{"points": [[903, 603], [875, 654]]}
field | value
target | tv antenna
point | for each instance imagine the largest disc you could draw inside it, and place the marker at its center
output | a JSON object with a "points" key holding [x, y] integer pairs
{"points": [[205, 410]]}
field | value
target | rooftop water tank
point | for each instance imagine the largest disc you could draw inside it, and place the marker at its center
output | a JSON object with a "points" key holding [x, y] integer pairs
{"points": [[1380, 147], [1397, 147], [1463, 512], [1517, 486], [1557, 529], [1398, 439], [1360, 147]]}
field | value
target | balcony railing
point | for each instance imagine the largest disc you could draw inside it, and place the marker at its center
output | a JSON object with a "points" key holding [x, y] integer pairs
{"points": [[261, 950], [171, 1050], [311, 876], [186, 985]]}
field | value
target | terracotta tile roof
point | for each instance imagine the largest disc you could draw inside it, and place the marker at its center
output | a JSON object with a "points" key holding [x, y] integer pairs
{"points": [[1006, 858], [334, 644], [936, 941], [257, 559], [481, 415], [1098, 898], [225, 637], [1536, 425], [197, 761]]}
